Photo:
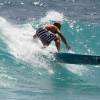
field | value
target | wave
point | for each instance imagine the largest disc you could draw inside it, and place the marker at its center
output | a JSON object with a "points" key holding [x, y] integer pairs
{"points": [[22, 58]]}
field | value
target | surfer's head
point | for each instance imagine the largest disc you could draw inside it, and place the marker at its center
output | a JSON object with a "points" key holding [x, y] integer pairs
{"points": [[57, 24]]}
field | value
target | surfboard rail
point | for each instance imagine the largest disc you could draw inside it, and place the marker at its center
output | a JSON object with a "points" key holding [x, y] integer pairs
{"points": [[71, 58]]}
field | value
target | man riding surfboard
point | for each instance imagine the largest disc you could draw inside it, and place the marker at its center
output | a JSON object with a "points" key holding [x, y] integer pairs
{"points": [[51, 33]]}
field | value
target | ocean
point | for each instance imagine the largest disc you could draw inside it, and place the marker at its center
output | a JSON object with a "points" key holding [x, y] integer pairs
{"points": [[28, 72]]}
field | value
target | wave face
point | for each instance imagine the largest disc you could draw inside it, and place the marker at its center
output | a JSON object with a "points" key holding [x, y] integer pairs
{"points": [[29, 72]]}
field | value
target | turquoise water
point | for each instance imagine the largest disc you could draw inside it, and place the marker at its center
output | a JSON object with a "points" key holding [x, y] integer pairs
{"points": [[28, 72]]}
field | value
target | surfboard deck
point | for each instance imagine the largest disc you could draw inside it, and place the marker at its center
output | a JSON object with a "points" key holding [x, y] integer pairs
{"points": [[77, 58]]}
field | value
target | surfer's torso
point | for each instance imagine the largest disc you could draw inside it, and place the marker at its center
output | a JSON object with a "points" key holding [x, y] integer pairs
{"points": [[45, 35]]}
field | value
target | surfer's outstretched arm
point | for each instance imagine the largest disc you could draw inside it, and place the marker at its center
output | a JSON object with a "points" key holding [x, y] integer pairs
{"points": [[64, 40]]}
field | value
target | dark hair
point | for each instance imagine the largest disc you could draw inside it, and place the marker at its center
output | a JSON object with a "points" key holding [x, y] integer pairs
{"points": [[57, 24]]}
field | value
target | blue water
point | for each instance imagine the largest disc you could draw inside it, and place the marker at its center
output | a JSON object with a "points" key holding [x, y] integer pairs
{"points": [[27, 71]]}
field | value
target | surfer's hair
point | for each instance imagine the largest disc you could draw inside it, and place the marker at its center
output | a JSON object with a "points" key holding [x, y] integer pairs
{"points": [[57, 24]]}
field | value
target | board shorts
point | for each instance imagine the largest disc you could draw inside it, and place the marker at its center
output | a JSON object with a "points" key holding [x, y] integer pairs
{"points": [[45, 36]]}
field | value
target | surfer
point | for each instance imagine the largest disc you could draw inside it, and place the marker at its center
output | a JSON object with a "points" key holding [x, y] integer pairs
{"points": [[49, 33]]}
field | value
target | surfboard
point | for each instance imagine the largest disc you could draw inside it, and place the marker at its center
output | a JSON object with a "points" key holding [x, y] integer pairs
{"points": [[77, 58]]}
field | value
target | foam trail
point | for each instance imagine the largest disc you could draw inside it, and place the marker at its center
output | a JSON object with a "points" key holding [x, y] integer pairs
{"points": [[77, 69], [21, 44], [17, 38]]}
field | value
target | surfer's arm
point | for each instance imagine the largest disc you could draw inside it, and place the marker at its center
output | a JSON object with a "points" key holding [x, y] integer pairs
{"points": [[64, 40]]}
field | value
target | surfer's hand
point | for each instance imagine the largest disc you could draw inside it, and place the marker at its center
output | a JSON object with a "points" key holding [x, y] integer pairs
{"points": [[68, 47]]}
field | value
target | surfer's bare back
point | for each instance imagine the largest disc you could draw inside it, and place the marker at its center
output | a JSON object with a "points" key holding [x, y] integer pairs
{"points": [[49, 33]]}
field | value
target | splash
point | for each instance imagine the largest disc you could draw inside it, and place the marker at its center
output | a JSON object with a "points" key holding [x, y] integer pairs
{"points": [[19, 39], [77, 69], [52, 16]]}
